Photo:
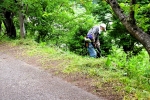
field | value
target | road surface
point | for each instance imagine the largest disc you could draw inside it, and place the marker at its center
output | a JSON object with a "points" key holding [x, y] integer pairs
{"points": [[21, 81]]}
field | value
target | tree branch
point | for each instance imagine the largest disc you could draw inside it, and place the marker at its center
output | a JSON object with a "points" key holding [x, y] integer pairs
{"points": [[117, 9], [134, 30], [131, 17]]}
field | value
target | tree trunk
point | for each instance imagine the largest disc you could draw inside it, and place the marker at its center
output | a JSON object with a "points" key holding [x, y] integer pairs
{"points": [[134, 30], [21, 19], [8, 22], [0, 27], [22, 27]]}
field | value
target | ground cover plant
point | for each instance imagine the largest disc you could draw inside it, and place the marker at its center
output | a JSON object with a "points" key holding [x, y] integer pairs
{"points": [[117, 76]]}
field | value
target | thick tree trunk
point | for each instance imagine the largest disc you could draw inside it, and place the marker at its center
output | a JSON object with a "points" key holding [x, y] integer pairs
{"points": [[8, 22], [134, 30]]}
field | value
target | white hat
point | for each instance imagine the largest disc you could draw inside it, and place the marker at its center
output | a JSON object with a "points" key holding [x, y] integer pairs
{"points": [[103, 25]]}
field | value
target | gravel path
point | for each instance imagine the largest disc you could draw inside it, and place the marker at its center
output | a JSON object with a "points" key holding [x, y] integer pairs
{"points": [[21, 81]]}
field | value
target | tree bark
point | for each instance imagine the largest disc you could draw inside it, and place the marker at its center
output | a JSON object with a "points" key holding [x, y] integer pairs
{"points": [[134, 30], [21, 19], [22, 27], [133, 2], [0, 27], [8, 22]]}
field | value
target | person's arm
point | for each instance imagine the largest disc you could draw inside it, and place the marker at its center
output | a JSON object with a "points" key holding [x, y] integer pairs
{"points": [[96, 35], [94, 32]]}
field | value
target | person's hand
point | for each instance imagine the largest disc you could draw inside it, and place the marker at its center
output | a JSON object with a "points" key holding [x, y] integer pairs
{"points": [[94, 44]]}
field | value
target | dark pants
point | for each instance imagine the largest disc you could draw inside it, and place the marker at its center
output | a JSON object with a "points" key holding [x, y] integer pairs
{"points": [[98, 50]]}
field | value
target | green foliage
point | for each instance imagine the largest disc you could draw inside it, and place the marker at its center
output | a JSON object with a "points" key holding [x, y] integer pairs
{"points": [[142, 12], [58, 22], [116, 33], [67, 22], [132, 73], [143, 17], [76, 40], [135, 69], [123, 39], [101, 11], [106, 43], [10, 5]]}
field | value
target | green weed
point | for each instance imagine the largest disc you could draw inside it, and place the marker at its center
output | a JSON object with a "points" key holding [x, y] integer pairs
{"points": [[135, 71]]}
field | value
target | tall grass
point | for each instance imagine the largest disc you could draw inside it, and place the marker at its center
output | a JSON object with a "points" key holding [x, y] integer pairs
{"points": [[136, 72]]}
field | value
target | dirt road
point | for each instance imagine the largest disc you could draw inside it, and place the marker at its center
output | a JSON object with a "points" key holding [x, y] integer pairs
{"points": [[21, 81]]}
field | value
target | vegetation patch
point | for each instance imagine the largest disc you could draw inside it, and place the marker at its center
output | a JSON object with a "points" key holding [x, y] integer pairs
{"points": [[113, 77]]}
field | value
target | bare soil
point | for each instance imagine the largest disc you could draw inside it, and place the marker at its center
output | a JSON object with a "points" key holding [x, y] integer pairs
{"points": [[79, 79]]}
